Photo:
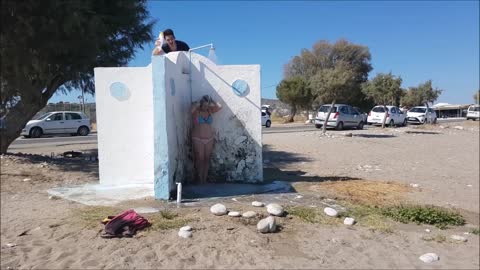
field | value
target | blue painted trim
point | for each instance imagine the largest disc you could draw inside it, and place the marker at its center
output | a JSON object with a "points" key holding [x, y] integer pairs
{"points": [[161, 172]]}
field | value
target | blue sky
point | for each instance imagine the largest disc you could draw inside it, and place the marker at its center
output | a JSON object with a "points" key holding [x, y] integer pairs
{"points": [[437, 40]]}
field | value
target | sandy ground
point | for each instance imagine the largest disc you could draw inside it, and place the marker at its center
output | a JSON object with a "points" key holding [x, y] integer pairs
{"points": [[42, 233]]}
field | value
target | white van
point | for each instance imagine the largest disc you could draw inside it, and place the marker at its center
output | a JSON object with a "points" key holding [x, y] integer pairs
{"points": [[473, 112], [75, 123]]}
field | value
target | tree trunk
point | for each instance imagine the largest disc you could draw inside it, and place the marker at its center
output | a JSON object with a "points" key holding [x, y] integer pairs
{"points": [[324, 129], [15, 120], [427, 114], [17, 117], [292, 115], [384, 116]]}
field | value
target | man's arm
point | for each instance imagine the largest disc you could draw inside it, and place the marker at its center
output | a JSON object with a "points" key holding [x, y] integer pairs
{"points": [[157, 51], [158, 48]]}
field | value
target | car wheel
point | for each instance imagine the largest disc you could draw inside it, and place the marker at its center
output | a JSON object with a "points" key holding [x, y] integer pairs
{"points": [[339, 126], [36, 132], [404, 123], [391, 124], [268, 124], [83, 131], [360, 125], [318, 126], [435, 120]]}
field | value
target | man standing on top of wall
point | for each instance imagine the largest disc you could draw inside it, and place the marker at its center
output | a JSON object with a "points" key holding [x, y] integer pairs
{"points": [[172, 45]]}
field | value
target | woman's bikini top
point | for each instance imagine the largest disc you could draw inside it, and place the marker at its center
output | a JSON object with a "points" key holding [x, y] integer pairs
{"points": [[203, 120]]}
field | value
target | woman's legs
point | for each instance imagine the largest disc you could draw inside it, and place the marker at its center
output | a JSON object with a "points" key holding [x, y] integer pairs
{"points": [[199, 149], [208, 152]]}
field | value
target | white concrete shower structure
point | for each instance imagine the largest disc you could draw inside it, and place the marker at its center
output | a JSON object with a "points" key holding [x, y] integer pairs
{"points": [[144, 122]]}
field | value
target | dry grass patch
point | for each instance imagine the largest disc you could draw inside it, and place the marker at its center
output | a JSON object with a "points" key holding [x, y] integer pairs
{"points": [[366, 216], [435, 238], [92, 216], [160, 222], [313, 215], [365, 191]]}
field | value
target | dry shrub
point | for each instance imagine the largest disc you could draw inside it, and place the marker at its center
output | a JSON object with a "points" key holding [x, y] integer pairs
{"points": [[365, 191]]}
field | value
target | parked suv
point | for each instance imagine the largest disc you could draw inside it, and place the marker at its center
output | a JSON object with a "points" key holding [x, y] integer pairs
{"points": [[419, 115], [473, 112], [394, 116], [75, 123], [266, 119], [342, 116]]}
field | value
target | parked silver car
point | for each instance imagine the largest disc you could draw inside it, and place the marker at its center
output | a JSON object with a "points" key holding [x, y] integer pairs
{"points": [[75, 123], [342, 116]]}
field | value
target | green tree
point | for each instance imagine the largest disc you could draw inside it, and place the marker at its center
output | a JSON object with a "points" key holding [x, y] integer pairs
{"points": [[384, 89], [296, 92], [53, 45], [332, 85], [411, 98], [423, 94], [327, 56]]}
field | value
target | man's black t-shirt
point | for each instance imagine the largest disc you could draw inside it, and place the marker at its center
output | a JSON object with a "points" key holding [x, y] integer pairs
{"points": [[181, 46]]}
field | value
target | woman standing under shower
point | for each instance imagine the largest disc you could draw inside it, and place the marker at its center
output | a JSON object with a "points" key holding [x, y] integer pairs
{"points": [[203, 134]]}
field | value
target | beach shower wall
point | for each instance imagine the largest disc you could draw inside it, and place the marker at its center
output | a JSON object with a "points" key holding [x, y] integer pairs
{"points": [[144, 122]]}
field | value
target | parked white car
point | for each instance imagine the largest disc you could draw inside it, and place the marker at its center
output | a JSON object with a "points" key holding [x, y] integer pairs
{"points": [[473, 112], [75, 123], [266, 119], [342, 116], [420, 115], [395, 117]]}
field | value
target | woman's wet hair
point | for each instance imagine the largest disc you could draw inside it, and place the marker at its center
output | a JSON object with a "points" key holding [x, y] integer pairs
{"points": [[205, 100]]}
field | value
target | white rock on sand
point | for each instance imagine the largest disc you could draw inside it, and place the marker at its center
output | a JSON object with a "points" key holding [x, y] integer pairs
{"points": [[185, 234], [267, 225], [275, 209], [234, 214], [330, 212], [258, 204], [249, 214], [458, 238], [186, 228], [429, 257], [218, 209], [349, 221]]}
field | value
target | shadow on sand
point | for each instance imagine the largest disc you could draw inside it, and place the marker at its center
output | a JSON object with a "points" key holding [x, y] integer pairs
{"points": [[276, 181]]}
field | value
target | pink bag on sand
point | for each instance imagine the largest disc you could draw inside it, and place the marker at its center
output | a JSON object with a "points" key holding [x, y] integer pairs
{"points": [[125, 224]]}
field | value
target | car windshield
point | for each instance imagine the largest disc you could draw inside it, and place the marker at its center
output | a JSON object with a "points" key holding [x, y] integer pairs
{"points": [[418, 110], [378, 109], [326, 108], [43, 116], [474, 109]]}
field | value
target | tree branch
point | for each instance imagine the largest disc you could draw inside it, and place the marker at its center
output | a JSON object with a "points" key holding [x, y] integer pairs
{"points": [[56, 82]]}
